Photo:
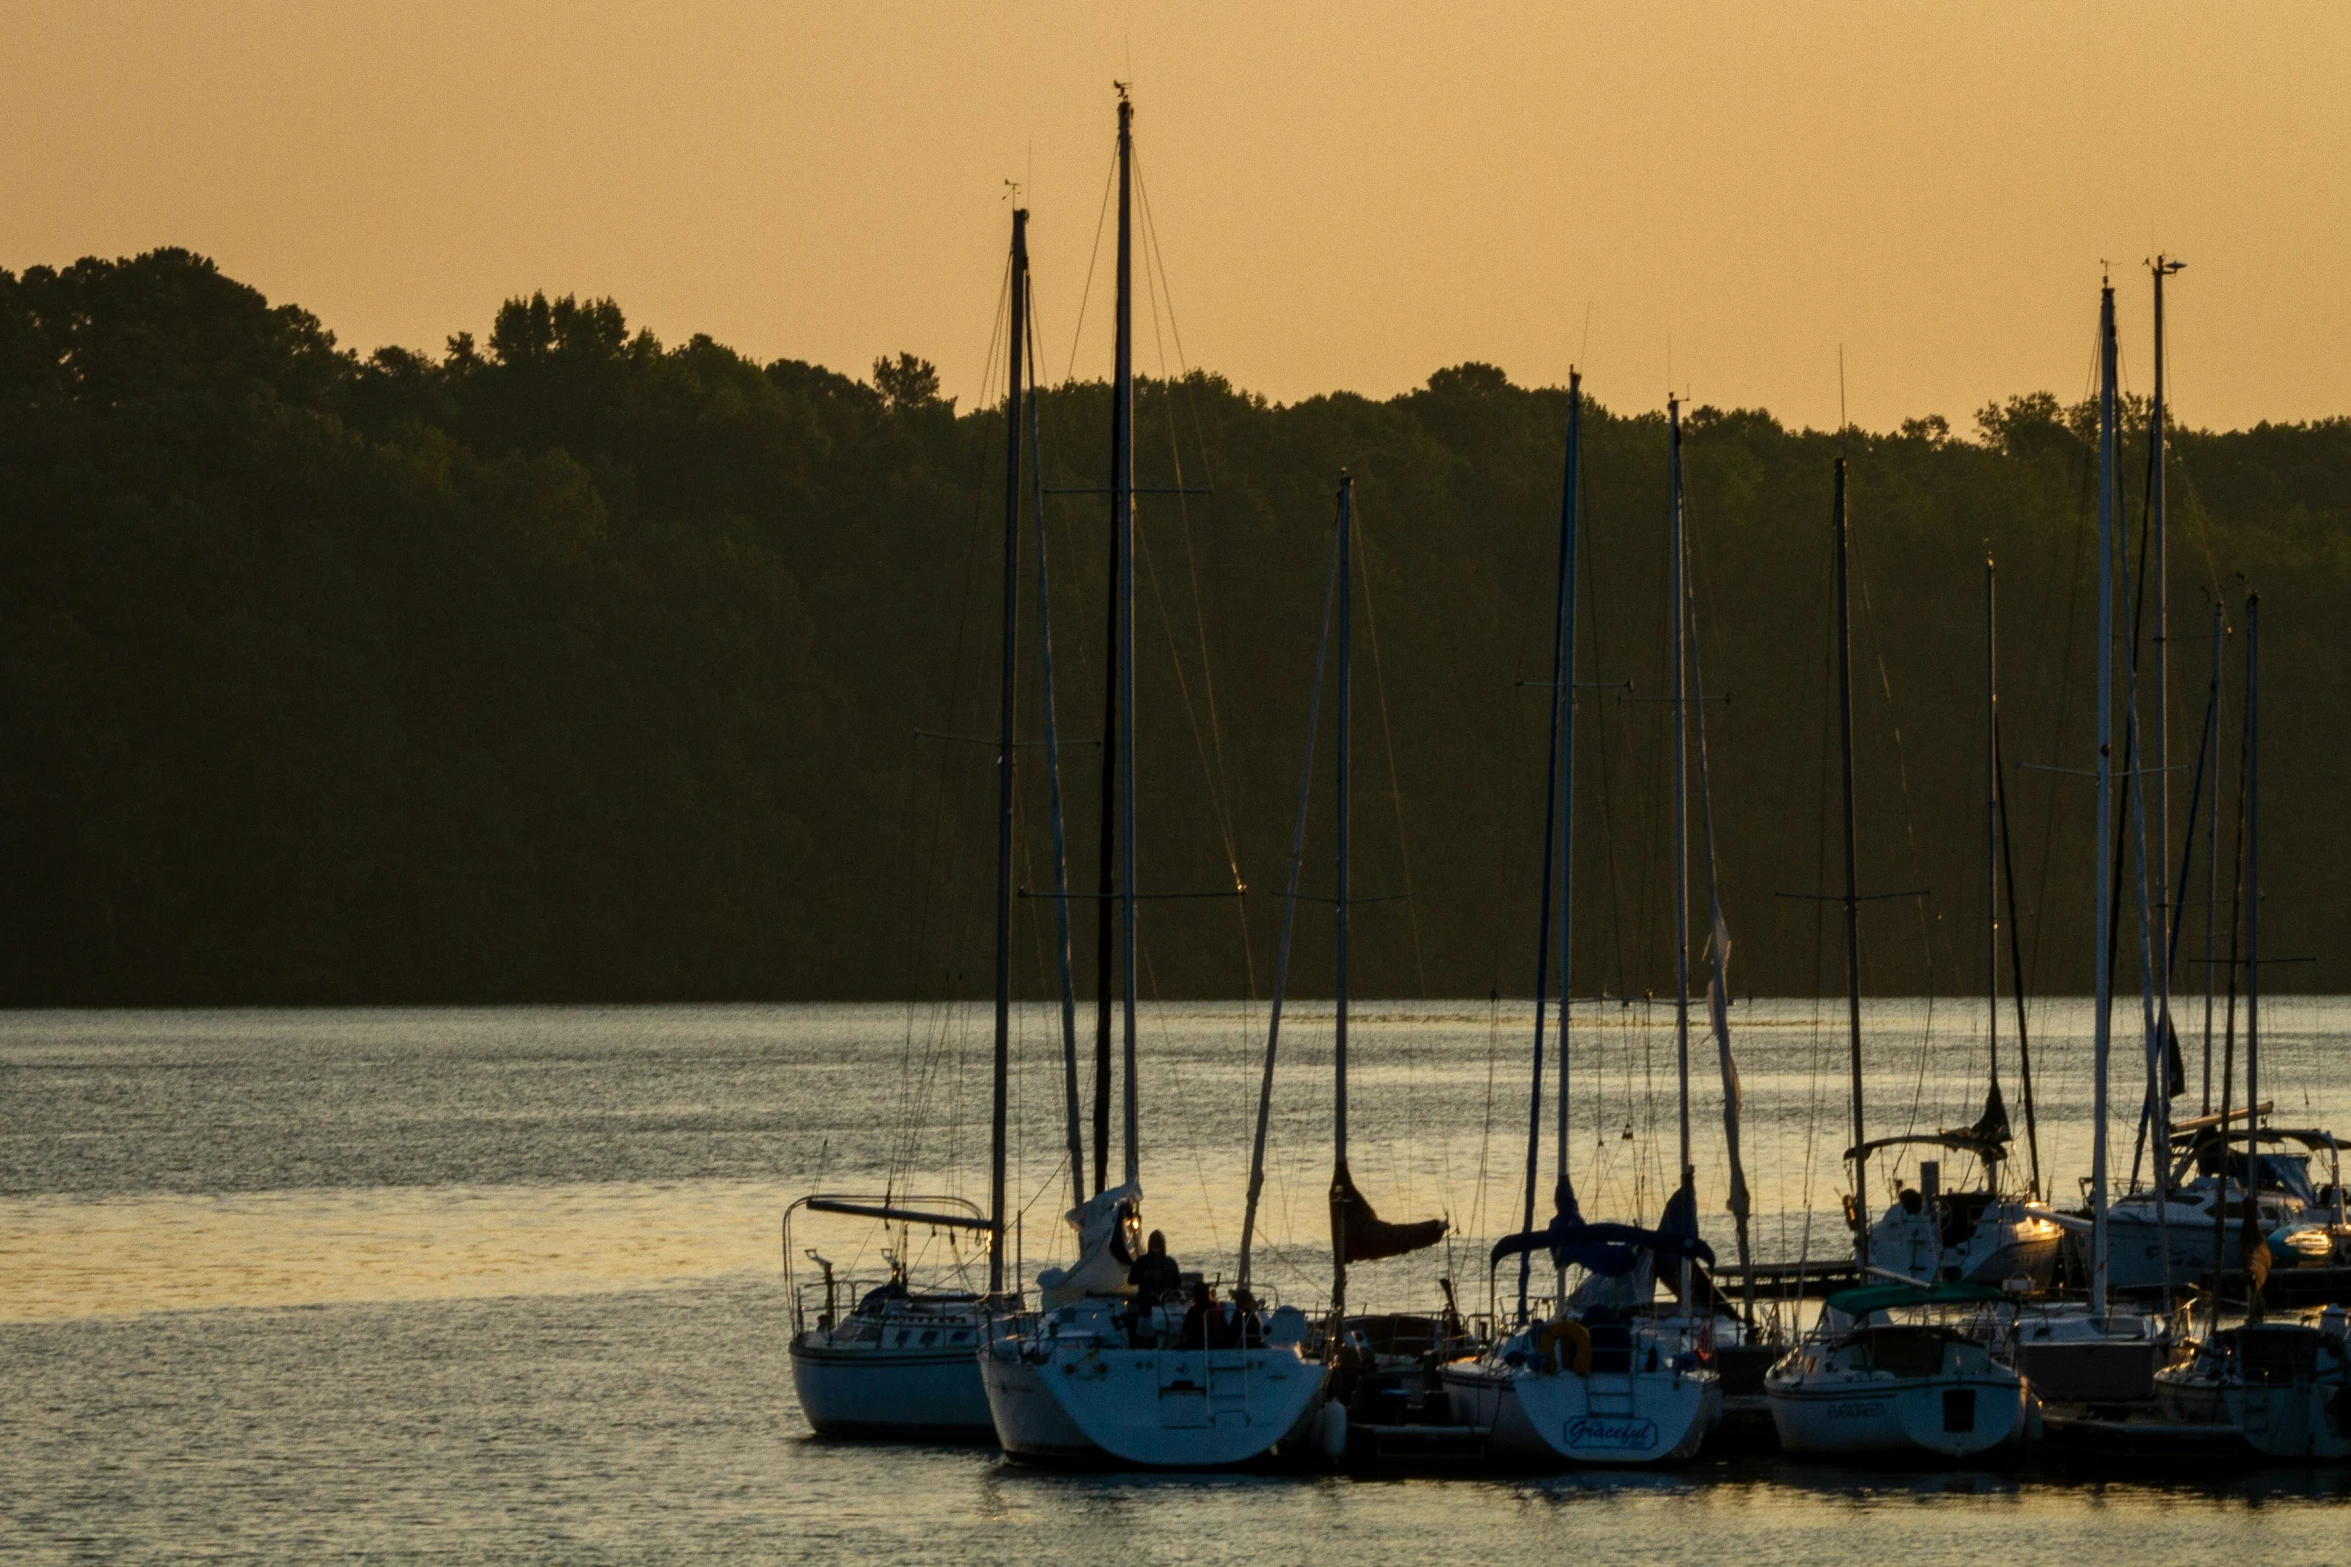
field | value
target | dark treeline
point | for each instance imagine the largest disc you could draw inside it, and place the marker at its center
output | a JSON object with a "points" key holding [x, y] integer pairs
{"points": [[570, 666]]}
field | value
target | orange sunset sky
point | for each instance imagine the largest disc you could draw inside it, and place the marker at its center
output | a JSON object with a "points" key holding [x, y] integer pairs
{"points": [[1346, 195]]}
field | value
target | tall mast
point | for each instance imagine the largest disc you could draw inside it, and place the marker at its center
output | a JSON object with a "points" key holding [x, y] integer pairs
{"points": [[1114, 913], [2158, 422], [2102, 1022], [1844, 528], [1073, 1122], [2212, 858], [2024, 1035], [1122, 500], [1570, 515], [1558, 786], [2252, 938], [1346, 789], [1718, 986], [1281, 967], [1003, 1065], [1992, 819], [1681, 820]]}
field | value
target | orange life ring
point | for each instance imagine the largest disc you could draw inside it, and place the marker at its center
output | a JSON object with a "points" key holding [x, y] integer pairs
{"points": [[1578, 1342]]}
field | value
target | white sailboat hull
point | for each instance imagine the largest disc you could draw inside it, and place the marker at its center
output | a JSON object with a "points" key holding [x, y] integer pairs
{"points": [[1947, 1416], [2135, 1251], [2007, 1241], [1028, 1421], [913, 1395], [1097, 1400], [2290, 1421], [1636, 1417]]}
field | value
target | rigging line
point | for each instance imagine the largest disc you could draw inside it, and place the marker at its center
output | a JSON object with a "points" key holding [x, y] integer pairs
{"points": [[1425, 1052], [1162, 292], [912, 1122], [946, 1051], [1598, 598], [908, 1078], [1388, 739], [1077, 334], [1191, 712], [2062, 727], [946, 1044], [1169, 1058], [1289, 916], [1221, 790], [1910, 835], [1477, 1206], [1056, 818], [1820, 817]]}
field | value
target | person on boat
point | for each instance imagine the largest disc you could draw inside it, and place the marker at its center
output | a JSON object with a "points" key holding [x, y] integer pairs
{"points": [[1205, 1315], [1242, 1321], [1154, 1275]]}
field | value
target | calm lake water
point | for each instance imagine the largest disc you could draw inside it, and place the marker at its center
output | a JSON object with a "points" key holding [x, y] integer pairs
{"points": [[505, 1284]]}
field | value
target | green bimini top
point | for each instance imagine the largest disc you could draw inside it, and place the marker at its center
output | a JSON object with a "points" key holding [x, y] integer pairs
{"points": [[1878, 1297]]}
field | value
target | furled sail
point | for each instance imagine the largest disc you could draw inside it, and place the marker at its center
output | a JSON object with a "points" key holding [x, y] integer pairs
{"points": [[1359, 1234], [1613, 1250], [1991, 1128], [1718, 1013]]}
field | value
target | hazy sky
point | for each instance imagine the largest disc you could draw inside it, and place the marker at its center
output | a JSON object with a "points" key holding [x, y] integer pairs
{"points": [[1347, 195]]}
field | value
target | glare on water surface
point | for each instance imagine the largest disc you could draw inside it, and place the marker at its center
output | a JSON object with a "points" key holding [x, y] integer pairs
{"points": [[505, 1282]]}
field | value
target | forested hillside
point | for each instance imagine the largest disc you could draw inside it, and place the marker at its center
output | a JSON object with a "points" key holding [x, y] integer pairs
{"points": [[572, 666]]}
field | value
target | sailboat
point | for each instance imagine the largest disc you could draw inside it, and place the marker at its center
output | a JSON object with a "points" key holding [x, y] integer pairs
{"points": [[1603, 1381], [2158, 1235], [2099, 1355], [1385, 1373], [1097, 1376], [1995, 1234], [1905, 1367], [902, 1361], [2283, 1387]]}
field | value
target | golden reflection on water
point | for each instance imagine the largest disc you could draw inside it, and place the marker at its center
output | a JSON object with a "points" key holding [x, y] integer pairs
{"points": [[63, 1258]]}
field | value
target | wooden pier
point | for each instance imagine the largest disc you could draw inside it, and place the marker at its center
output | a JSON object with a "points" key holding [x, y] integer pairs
{"points": [[1785, 1280]]}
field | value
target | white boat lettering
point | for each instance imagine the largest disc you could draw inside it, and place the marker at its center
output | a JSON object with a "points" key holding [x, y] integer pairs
{"points": [[1616, 1435]]}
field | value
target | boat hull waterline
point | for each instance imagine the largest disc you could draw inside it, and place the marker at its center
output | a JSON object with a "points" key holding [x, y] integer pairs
{"points": [[1079, 1399], [1949, 1417], [1599, 1418], [933, 1394]]}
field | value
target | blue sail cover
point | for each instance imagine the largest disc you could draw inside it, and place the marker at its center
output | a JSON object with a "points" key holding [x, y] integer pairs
{"points": [[1611, 1250]]}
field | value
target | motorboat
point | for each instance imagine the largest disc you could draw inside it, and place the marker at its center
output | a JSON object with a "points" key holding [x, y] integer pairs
{"points": [[1865, 1383], [2201, 1206]]}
